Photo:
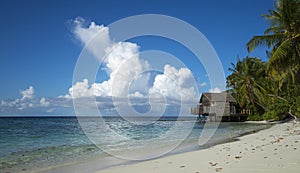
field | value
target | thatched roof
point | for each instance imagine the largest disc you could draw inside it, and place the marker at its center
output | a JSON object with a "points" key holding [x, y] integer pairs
{"points": [[217, 97]]}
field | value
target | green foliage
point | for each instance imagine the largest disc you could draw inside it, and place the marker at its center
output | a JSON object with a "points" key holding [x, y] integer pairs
{"points": [[256, 114], [247, 82], [255, 117], [277, 110], [283, 36], [271, 90], [297, 107], [271, 115]]}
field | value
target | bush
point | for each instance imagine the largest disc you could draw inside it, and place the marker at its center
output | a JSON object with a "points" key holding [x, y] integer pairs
{"points": [[297, 107], [256, 114], [255, 117], [298, 112], [272, 115]]}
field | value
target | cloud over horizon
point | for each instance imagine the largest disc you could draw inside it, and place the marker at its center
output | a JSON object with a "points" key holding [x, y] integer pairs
{"points": [[123, 65], [26, 104], [128, 77]]}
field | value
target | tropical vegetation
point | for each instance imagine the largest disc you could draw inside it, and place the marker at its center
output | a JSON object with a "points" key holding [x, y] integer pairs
{"points": [[271, 90]]}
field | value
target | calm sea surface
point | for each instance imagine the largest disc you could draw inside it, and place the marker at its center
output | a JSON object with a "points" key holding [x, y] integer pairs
{"points": [[35, 144]]}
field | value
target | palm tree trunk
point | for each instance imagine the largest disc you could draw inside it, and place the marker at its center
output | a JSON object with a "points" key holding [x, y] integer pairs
{"points": [[295, 118]]}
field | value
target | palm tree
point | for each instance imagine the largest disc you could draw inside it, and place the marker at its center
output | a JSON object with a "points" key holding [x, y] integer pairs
{"points": [[283, 36], [247, 82]]}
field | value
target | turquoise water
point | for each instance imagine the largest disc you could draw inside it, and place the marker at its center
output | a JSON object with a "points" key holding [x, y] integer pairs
{"points": [[32, 144]]}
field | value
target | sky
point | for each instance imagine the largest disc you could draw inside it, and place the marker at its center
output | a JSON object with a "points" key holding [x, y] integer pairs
{"points": [[42, 40]]}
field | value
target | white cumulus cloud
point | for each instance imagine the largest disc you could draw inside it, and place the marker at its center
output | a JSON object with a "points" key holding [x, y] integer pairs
{"points": [[125, 69], [44, 102], [122, 62], [123, 65], [95, 36], [215, 90], [176, 84], [28, 103], [27, 93], [80, 89]]}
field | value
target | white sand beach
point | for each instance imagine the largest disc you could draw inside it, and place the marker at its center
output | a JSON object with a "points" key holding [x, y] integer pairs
{"points": [[276, 149]]}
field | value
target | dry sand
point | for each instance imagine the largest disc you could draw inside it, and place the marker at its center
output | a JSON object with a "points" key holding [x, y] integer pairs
{"points": [[276, 149]]}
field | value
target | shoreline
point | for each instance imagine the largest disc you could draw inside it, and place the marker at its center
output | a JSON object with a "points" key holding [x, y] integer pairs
{"points": [[92, 165], [98, 164], [94, 160], [275, 149]]}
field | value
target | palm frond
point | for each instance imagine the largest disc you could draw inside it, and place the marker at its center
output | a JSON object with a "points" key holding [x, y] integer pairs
{"points": [[275, 29], [264, 40], [280, 55]]}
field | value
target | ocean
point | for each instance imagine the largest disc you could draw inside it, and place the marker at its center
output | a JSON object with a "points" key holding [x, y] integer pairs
{"points": [[44, 144]]}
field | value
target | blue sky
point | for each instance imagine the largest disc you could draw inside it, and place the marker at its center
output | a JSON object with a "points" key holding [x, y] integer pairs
{"points": [[39, 48]]}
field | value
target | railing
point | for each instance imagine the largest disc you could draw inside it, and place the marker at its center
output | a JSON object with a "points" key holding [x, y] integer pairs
{"points": [[200, 109], [205, 109], [218, 110]]}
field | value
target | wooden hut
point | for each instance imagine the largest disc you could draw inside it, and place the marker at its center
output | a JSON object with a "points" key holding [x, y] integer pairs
{"points": [[219, 107]]}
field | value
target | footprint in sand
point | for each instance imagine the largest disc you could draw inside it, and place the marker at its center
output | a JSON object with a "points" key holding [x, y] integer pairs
{"points": [[213, 164], [238, 157], [218, 169]]}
